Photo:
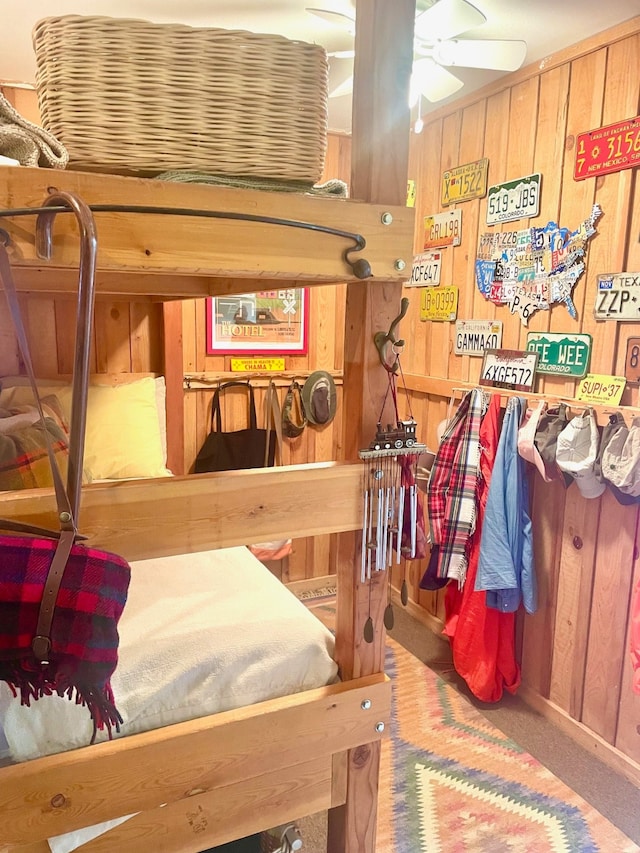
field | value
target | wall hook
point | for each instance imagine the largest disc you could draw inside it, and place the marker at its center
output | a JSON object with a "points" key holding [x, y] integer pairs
{"points": [[384, 340]]}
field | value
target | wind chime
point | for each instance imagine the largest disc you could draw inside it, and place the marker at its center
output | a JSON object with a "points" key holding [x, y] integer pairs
{"points": [[392, 516]]}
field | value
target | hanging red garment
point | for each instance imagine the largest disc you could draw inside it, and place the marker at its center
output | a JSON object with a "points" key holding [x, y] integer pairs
{"points": [[482, 638]]}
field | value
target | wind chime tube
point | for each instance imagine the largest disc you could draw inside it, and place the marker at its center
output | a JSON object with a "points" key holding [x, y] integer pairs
{"points": [[369, 533], [391, 523], [414, 518], [365, 515], [400, 523], [385, 530], [379, 530]]}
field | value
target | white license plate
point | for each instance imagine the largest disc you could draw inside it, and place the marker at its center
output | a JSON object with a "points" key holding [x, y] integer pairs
{"points": [[426, 270], [517, 199], [618, 297]]}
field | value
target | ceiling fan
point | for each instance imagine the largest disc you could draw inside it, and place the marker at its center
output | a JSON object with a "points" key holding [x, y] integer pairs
{"points": [[435, 46]]}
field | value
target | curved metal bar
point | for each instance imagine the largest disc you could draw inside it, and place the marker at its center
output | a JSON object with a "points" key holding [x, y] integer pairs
{"points": [[84, 322], [360, 267]]}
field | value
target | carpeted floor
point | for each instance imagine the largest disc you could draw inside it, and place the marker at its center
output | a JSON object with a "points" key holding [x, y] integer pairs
{"points": [[451, 782]]}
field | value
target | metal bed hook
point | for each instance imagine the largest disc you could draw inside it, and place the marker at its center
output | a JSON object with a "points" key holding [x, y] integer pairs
{"points": [[84, 323]]}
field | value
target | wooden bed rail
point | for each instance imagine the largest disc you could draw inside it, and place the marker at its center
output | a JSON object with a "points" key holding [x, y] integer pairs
{"points": [[185, 254], [221, 777], [140, 519]]}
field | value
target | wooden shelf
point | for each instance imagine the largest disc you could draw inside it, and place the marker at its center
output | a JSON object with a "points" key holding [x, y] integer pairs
{"points": [[178, 256]]}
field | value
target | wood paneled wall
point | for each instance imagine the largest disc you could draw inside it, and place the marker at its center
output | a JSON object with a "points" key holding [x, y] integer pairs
{"points": [[575, 656]]}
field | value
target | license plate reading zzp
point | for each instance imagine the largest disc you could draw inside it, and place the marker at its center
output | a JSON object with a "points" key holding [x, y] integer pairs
{"points": [[618, 297]]}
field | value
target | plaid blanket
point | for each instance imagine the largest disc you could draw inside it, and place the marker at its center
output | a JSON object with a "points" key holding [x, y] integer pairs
{"points": [[84, 634], [24, 462], [451, 493]]}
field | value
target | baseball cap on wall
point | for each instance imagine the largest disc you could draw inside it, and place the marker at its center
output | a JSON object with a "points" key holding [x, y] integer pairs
{"points": [[576, 453], [550, 425], [526, 434], [621, 459], [615, 425]]}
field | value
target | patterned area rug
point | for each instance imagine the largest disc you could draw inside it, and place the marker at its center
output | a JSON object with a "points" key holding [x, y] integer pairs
{"points": [[453, 783]]}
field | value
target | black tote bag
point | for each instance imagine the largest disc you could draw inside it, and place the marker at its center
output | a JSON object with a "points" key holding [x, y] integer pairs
{"points": [[243, 448]]}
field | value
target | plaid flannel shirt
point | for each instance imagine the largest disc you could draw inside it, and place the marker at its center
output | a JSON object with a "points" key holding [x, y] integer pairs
{"points": [[452, 489]]}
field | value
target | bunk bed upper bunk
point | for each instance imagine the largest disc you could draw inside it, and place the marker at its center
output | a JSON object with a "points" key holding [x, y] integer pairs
{"points": [[323, 749]]}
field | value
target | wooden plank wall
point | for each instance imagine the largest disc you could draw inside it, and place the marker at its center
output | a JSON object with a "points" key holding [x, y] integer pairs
{"points": [[575, 649]]}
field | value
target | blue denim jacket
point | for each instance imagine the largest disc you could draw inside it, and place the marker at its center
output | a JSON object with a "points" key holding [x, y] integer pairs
{"points": [[506, 569]]}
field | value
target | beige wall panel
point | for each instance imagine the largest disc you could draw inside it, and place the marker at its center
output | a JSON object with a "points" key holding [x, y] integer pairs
{"points": [[574, 600], [628, 732], [471, 148], [608, 618], [539, 629]]}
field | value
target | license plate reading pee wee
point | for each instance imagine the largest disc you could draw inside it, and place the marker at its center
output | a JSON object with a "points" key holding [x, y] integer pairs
{"points": [[618, 297], [511, 369]]}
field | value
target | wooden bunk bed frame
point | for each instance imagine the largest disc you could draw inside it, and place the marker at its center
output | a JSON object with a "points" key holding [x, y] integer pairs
{"points": [[210, 780]]}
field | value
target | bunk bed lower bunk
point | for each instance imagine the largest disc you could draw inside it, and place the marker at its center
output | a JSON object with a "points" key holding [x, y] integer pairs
{"points": [[194, 783]]}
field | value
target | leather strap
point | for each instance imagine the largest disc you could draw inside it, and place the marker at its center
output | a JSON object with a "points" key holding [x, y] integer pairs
{"points": [[67, 500], [41, 643], [273, 418]]}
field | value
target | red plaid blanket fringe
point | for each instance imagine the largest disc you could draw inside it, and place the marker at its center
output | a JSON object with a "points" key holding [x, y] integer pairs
{"points": [[84, 634]]}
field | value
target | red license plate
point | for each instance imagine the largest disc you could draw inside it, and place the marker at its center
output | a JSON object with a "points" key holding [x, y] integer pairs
{"points": [[608, 149]]}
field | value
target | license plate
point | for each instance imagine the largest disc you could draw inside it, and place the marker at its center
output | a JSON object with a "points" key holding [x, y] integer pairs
{"points": [[426, 270], [603, 390], [618, 297], [473, 337], [512, 369], [560, 354], [443, 229], [440, 303], [465, 182], [517, 199], [608, 149], [632, 361]]}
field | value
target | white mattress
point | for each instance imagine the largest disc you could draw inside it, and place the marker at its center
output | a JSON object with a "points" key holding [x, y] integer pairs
{"points": [[200, 633]]}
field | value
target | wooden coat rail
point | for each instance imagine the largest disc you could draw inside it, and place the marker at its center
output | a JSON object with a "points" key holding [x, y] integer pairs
{"points": [[447, 388], [208, 381]]}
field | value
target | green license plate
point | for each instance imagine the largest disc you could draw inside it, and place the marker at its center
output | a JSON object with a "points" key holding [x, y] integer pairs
{"points": [[560, 354]]}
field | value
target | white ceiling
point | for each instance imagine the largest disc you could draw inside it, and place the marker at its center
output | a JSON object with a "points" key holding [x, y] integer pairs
{"points": [[546, 26]]}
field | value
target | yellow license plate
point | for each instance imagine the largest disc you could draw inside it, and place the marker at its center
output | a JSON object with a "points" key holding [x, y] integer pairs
{"points": [[465, 182], [439, 303]]}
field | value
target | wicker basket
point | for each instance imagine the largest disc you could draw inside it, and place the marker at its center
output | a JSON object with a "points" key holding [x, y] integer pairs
{"points": [[134, 97]]}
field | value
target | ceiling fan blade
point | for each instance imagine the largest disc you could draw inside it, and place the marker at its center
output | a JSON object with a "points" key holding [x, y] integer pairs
{"points": [[345, 88], [447, 19], [494, 54], [432, 81], [338, 19]]}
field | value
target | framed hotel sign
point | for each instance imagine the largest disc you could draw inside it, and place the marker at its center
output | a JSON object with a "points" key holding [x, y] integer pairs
{"points": [[271, 322]]}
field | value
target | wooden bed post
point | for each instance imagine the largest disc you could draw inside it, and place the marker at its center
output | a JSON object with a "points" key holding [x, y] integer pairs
{"points": [[380, 152], [173, 369]]}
